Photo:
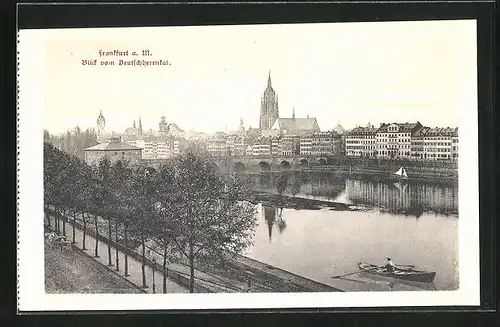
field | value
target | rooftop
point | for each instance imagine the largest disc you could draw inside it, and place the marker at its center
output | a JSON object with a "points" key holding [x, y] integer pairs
{"points": [[296, 124], [403, 127], [114, 144]]}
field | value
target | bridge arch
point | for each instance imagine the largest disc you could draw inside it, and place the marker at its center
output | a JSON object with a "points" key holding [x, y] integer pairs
{"points": [[264, 166], [239, 167], [215, 166], [285, 164]]}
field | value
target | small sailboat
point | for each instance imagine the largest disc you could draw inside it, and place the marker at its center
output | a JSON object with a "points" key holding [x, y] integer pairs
{"points": [[401, 173]]}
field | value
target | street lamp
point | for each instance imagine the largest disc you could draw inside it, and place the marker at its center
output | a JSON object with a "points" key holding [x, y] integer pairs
{"points": [[154, 287]]}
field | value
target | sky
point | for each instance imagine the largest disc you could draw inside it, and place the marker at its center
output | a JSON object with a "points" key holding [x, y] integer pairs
{"points": [[352, 73]]}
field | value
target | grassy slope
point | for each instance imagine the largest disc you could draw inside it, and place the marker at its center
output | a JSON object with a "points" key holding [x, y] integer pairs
{"points": [[70, 271]]}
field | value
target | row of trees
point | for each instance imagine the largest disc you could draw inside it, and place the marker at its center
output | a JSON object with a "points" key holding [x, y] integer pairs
{"points": [[73, 141], [184, 208]]}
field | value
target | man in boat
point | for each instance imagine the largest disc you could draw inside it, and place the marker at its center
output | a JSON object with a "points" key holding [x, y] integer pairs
{"points": [[390, 266]]}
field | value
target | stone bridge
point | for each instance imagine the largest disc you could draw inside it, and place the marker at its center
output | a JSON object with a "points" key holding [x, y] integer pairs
{"points": [[228, 165], [253, 164]]}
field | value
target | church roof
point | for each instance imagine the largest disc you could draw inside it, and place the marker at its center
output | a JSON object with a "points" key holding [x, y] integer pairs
{"points": [[296, 124], [131, 130], [339, 129], [174, 127]]}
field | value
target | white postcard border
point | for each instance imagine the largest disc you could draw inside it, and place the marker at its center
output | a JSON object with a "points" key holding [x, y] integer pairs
{"points": [[31, 294]]}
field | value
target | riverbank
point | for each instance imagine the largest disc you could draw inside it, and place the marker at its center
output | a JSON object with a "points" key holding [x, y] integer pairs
{"points": [[241, 274], [442, 176]]}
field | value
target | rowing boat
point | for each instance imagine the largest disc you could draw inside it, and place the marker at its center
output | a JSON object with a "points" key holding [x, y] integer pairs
{"points": [[399, 273]]}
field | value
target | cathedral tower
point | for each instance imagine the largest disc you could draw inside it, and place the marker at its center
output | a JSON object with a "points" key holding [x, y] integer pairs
{"points": [[269, 110]]}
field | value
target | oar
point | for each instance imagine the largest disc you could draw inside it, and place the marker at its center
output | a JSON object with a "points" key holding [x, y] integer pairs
{"points": [[354, 280], [356, 272]]}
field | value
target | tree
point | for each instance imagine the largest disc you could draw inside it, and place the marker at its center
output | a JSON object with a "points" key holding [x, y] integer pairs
{"points": [[211, 221], [166, 209], [143, 200], [120, 177], [101, 199], [84, 197]]}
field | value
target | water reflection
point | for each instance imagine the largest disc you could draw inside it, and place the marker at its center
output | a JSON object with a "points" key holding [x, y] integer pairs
{"points": [[327, 242], [273, 217], [411, 199]]}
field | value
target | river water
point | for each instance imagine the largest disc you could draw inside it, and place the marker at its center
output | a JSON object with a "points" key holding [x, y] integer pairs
{"points": [[413, 223]]}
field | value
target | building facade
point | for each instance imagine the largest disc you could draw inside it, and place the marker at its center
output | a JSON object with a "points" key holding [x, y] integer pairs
{"points": [[115, 150], [262, 147], [454, 145], [417, 144], [217, 144], [438, 144], [325, 143], [361, 142], [290, 145], [394, 140], [305, 145]]}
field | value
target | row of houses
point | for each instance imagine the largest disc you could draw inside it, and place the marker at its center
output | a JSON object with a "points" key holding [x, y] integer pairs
{"points": [[315, 144], [392, 141], [403, 140], [148, 148]]}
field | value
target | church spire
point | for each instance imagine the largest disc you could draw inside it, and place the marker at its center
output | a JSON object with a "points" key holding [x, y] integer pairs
{"points": [[140, 126], [293, 112], [269, 79]]}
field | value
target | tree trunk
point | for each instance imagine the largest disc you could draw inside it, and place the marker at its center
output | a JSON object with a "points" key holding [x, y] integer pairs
{"points": [[74, 223], [109, 242], [143, 262], [64, 222], [84, 231], [126, 248], [165, 268], [116, 247], [191, 269], [96, 237], [56, 219]]}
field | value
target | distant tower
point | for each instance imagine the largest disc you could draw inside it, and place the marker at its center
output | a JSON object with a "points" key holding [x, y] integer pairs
{"points": [[140, 126], [163, 126], [269, 110], [293, 112], [134, 123], [242, 128], [101, 125]]}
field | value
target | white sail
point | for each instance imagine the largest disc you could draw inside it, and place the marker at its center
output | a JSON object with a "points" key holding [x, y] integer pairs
{"points": [[401, 172]]}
